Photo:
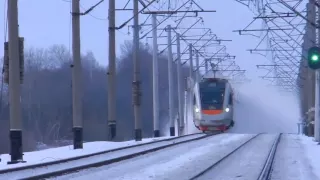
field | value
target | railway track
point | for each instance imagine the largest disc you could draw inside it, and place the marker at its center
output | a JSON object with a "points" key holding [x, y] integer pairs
{"points": [[265, 173], [70, 165], [267, 169]]}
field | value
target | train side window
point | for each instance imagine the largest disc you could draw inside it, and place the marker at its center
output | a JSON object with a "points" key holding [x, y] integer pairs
{"points": [[230, 99]]}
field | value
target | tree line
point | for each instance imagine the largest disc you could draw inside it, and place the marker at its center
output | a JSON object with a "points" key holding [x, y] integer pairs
{"points": [[47, 97]]}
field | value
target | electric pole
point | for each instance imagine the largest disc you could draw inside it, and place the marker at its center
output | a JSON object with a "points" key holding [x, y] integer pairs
{"points": [[180, 93], [76, 77], [310, 39], [155, 79], [190, 87], [112, 103], [314, 62], [170, 80], [317, 79], [136, 73], [316, 117], [16, 150], [191, 61], [206, 65], [198, 67]]}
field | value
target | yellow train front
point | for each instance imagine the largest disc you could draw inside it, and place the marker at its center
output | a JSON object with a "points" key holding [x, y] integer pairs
{"points": [[213, 105]]}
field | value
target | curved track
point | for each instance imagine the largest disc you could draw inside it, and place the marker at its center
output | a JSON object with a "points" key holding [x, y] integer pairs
{"points": [[265, 173], [60, 167]]}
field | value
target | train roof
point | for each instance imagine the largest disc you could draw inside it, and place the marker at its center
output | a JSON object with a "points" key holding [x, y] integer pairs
{"points": [[214, 80]]}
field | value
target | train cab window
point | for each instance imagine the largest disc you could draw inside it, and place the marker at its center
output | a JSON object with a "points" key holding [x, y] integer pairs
{"points": [[230, 99], [194, 100]]}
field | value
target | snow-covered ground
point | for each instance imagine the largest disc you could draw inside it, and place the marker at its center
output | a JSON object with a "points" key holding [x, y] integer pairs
{"points": [[96, 159], [177, 162], [291, 161], [186, 160], [54, 154], [311, 151], [244, 164]]}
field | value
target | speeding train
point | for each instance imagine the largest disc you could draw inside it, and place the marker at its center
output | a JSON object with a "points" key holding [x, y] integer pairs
{"points": [[213, 105]]}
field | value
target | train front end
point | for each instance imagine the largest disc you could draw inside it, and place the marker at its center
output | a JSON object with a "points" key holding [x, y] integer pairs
{"points": [[212, 105]]}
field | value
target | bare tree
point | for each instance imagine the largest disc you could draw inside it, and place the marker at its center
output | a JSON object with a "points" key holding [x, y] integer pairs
{"points": [[47, 98]]}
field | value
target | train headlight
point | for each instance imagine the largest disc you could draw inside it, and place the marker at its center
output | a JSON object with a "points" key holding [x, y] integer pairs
{"points": [[227, 109], [196, 109]]}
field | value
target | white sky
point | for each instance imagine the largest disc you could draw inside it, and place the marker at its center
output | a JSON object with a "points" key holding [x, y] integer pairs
{"points": [[47, 22]]}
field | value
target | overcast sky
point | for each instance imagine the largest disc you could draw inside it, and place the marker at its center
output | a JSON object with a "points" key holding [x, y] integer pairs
{"points": [[47, 22]]}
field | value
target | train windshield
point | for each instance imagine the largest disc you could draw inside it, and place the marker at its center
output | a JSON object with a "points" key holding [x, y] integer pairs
{"points": [[212, 95]]}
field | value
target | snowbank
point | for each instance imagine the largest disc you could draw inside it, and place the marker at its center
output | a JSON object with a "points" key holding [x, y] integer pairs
{"points": [[312, 150], [54, 154]]}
